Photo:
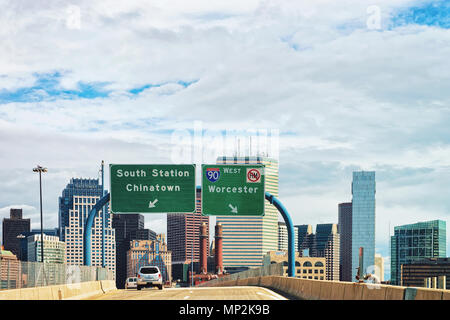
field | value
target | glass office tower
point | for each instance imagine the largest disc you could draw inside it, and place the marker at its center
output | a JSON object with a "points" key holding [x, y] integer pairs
{"points": [[363, 219], [415, 242]]}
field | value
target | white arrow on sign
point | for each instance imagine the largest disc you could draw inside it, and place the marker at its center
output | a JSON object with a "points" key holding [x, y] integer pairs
{"points": [[151, 204], [233, 209]]}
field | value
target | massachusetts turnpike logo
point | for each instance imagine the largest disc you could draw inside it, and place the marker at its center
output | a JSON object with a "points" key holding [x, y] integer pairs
{"points": [[213, 174], [253, 175]]}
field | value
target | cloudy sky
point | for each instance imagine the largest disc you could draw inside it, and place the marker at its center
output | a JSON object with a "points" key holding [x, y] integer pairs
{"points": [[348, 85]]}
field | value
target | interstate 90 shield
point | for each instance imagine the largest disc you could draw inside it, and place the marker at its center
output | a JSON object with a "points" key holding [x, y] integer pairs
{"points": [[212, 174]]}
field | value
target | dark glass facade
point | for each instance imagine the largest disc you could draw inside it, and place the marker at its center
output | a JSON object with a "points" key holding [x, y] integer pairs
{"points": [[345, 233], [305, 238], [12, 228], [414, 273], [415, 242]]}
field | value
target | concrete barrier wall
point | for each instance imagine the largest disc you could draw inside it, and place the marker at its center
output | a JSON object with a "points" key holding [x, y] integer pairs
{"points": [[108, 285], [74, 291], [334, 290], [431, 294]]}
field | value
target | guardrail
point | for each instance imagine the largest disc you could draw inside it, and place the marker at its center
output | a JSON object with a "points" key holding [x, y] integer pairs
{"points": [[76, 291], [276, 269], [306, 289], [15, 274]]}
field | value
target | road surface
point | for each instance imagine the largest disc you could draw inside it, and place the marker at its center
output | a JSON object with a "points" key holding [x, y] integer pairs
{"points": [[222, 293]]}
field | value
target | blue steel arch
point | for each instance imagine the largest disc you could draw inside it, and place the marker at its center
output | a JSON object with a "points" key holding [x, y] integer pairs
{"points": [[273, 200], [88, 228], [290, 229]]}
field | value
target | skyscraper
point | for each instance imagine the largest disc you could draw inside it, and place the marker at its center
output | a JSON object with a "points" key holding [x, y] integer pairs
{"points": [[77, 200], [363, 219], [326, 244], [246, 239], [345, 233], [283, 237], [305, 238], [24, 240], [76, 187], [322, 244], [13, 227], [127, 227], [183, 236], [415, 242], [54, 249]]}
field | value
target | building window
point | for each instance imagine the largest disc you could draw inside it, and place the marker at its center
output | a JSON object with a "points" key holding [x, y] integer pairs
{"points": [[318, 264]]}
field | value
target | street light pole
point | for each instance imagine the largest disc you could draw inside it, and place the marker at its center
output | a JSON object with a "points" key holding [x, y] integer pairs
{"points": [[40, 170]]}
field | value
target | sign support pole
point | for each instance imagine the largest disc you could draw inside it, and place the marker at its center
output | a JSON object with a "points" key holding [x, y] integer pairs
{"points": [[269, 197], [88, 229], [290, 228]]}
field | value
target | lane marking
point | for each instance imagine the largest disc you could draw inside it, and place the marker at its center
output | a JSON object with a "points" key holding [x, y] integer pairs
{"points": [[274, 295], [266, 295]]}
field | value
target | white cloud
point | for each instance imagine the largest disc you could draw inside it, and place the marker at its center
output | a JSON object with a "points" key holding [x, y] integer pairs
{"points": [[344, 97]]}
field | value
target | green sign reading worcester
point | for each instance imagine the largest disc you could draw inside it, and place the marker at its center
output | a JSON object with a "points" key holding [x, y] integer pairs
{"points": [[152, 188], [233, 190]]}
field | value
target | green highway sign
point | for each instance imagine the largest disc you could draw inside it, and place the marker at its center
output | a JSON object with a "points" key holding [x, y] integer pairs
{"points": [[154, 188], [233, 190]]}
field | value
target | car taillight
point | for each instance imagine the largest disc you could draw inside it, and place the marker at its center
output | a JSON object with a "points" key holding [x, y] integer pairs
{"points": [[159, 275], [139, 275]]}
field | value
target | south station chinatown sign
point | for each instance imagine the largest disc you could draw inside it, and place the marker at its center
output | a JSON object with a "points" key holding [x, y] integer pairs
{"points": [[152, 188]]}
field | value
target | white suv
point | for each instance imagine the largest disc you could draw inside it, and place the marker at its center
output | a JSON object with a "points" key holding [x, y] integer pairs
{"points": [[149, 276]]}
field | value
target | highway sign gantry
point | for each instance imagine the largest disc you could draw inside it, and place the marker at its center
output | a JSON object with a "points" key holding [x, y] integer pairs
{"points": [[233, 190], [154, 188]]}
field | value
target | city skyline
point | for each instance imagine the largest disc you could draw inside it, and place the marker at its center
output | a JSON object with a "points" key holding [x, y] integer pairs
{"points": [[387, 258], [338, 88]]}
